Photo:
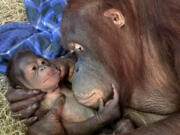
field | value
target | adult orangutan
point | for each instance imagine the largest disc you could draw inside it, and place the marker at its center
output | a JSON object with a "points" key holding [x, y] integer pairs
{"points": [[134, 44]]}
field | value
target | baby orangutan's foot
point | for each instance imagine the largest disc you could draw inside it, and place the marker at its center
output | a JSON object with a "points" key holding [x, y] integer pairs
{"points": [[124, 126]]}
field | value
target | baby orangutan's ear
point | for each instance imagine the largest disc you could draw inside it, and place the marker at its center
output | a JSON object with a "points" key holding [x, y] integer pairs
{"points": [[115, 16]]}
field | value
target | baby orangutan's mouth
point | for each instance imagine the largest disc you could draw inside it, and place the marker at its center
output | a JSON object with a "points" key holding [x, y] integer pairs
{"points": [[51, 74]]}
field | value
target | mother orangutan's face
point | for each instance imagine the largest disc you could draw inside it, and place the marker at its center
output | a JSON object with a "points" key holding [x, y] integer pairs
{"points": [[90, 81]]}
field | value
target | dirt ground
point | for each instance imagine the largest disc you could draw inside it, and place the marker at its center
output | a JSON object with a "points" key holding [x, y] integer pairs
{"points": [[10, 11]]}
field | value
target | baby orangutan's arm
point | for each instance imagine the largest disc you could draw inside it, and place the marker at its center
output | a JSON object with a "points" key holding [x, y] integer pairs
{"points": [[50, 124], [104, 116]]}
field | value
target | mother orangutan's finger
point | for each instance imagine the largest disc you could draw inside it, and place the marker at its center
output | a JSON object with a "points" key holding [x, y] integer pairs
{"points": [[26, 113], [18, 95], [18, 106], [30, 121]]}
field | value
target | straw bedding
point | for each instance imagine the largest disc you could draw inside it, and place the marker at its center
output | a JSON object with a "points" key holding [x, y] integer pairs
{"points": [[10, 11]]}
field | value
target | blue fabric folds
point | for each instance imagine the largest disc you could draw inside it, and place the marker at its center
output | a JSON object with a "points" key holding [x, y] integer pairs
{"points": [[41, 33]]}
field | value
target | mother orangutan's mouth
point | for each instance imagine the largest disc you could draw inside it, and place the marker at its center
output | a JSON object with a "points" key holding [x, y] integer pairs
{"points": [[91, 98]]}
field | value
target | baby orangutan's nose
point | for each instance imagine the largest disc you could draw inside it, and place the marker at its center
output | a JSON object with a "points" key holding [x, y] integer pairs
{"points": [[41, 68]]}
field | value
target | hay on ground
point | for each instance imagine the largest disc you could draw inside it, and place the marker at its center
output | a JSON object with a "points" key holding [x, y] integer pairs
{"points": [[8, 125], [10, 11]]}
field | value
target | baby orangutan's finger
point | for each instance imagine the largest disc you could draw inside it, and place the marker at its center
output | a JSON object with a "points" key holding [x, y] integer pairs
{"points": [[116, 94], [115, 99], [21, 105], [101, 104], [15, 95], [30, 121]]}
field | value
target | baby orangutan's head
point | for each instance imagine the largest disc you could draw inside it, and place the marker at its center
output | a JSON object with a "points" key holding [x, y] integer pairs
{"points": [[30, 71]]}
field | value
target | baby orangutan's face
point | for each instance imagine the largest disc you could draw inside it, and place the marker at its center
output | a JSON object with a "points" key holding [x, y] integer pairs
{"points": [[40, 74]]}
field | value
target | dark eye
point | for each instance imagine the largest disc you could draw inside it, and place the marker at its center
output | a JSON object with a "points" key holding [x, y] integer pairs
{"points": [[43, 62], [34, 68]]}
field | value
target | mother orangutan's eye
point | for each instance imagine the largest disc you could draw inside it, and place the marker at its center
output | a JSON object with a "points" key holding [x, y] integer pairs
{"points": [[76, 47]]}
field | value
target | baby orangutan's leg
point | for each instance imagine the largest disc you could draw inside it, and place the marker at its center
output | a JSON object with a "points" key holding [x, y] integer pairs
{"points": [[50, 124], [124, 126]]}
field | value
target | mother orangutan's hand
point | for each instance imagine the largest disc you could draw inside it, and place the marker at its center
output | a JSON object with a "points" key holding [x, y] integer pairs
{"points": [[24, 103]]}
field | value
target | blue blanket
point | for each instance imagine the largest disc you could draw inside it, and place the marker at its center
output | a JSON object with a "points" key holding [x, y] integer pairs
{"points": [[41, 33]]}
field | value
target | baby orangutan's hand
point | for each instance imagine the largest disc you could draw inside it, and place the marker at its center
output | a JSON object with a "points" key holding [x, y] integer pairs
{"points": [[111, 110], [58, 107]]}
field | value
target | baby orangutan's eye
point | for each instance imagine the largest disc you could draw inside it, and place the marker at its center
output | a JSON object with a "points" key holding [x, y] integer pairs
{"points": [[43, 62], [34, 68]]}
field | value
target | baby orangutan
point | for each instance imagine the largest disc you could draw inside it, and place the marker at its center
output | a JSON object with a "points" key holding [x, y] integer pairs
{"points": [[59, 112]]}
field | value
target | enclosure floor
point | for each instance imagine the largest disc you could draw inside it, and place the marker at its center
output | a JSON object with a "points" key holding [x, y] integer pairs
{"points": [[10, 11], [8, 125]]}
